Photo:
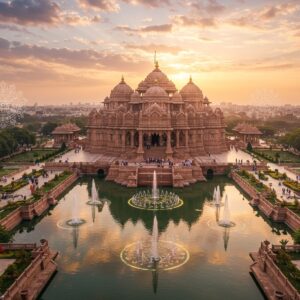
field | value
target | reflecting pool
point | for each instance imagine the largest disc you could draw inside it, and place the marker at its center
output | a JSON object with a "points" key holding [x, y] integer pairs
{"points": [[89, 263]]}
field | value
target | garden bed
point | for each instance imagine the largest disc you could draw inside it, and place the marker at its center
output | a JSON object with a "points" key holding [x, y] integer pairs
{"points": [[22, 260], [277, 155], [285, 264]]}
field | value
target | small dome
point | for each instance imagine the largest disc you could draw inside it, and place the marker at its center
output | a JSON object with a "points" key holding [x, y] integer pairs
{"points": [[121, 90], [156, 93], [191, 91], [135, 96], [176, 97]]}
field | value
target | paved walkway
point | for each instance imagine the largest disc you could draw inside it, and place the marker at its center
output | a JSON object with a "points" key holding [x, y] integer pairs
{"points": [[227, 157], [25, 191], [20, 174], [81, 156]]}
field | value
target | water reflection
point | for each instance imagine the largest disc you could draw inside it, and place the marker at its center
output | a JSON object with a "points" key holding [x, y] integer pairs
{"points": [[89, 261]]}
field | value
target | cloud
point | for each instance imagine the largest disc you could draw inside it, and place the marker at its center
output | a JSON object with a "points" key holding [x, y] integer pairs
{"points": [[259, 18], [150, 48], [209, 7], [84, 58], [101, 5], [30, 12], [149, 3], [190, 21], [14, 28], [74, 18], [143, 29]]}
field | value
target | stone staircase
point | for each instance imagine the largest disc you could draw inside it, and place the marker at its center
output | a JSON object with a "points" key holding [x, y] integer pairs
{"points": [[164, 176]]}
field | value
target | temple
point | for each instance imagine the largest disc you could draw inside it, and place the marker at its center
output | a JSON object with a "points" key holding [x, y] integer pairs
{"points": [[66, 133], [156, 121], [246, 133]]}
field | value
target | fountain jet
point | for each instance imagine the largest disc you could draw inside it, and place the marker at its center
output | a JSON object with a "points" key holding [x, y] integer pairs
{"points": [[75, 221], [95, 198], [225, 221], [154, 241], [154, 186]]}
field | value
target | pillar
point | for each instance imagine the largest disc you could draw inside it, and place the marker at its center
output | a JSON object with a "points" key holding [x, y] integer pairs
{"points": [[140, 148], [177, 138], [186, 138], [123, 140], [132, 139], [169, 150]]}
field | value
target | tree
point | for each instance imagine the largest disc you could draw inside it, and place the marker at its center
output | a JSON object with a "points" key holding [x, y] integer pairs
{"points": [[5, 237], [296, 236], [249, 147], [48, 128]]}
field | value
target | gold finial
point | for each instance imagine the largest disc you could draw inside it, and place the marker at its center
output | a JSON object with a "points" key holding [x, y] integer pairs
{"points": [[122, 79], [191, 80], [155, 60]]}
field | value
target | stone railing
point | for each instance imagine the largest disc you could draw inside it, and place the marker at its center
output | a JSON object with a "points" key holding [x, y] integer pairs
{"points": [[274, 283], [29, 211], [42, 263], [275, 212]]}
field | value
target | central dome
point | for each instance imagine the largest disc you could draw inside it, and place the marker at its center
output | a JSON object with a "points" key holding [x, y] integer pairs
{"points": [[156, 93], [157, 77]]}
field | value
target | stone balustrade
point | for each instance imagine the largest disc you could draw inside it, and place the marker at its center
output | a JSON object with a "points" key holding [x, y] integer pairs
{"points": [[29, 211], [269, 276], [37, 274], [275, 212]]}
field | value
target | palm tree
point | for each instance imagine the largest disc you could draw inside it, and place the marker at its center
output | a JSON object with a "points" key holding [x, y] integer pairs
{"points": [[283, 243]]}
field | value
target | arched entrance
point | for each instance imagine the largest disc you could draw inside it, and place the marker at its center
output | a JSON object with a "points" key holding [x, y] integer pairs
{"points": [[155, 139], [210, 173], [101, 173]]}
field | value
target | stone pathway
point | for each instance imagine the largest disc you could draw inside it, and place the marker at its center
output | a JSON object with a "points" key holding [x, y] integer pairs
{"points": [[81, 156], [25, 191]]}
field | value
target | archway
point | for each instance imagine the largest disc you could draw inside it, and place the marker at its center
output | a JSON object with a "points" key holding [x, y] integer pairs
{"points": [[155, 139], [101, 173], [210, 173]]}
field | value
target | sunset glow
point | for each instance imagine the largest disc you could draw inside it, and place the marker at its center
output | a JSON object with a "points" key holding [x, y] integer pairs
{"points": [[59, 51]]}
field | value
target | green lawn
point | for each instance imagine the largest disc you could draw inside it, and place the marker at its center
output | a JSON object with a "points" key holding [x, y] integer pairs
{"points": [[32, 156], [6, 171], [284, 155]]}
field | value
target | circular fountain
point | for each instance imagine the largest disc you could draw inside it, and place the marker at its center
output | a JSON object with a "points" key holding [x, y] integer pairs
{"points": [[153, 255], [155, 200]]}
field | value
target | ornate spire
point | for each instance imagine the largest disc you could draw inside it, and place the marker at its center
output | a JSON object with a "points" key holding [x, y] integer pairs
{"points": [[155, 61], [191, 80], [122, 79]]}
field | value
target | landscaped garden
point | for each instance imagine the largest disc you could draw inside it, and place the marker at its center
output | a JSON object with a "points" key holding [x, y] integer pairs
{"points": [[288, 268], [33, 156], [22, 260], [47, 187], [5, 171], [277, 155]]}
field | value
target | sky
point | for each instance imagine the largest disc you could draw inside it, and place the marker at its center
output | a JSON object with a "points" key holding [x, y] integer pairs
{"points": [[239, 51]]}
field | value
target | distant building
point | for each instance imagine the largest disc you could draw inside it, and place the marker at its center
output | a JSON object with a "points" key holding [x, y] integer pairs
{"points": [[66, 133], [247, 133]]}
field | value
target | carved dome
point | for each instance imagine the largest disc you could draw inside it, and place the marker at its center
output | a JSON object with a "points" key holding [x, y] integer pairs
{"points": [[135, 96], [156, 77], [176, 97], [121, 91], [191, 92], [156, 93]]}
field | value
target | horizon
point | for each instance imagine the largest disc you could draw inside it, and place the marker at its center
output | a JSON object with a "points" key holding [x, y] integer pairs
{"points": [[243, 52]]}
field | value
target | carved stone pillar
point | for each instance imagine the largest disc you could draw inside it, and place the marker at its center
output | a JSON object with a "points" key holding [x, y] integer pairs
{"points": [[123, 140], [186, 138], [177, 138], [169, 150], [132, 139], [140, 150]]}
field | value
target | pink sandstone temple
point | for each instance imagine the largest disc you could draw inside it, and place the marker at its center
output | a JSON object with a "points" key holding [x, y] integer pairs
{"points": [[156, 121]]}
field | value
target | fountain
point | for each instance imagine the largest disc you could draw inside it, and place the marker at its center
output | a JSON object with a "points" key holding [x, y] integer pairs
{"points": [[154, 254], [75, 221], [225, 221], [95, 198], [155, 200]]}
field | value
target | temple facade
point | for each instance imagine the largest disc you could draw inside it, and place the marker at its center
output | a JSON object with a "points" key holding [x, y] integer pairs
{"points": [[156, 120]]}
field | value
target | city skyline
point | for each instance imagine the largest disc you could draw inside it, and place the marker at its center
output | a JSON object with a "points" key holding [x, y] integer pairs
{"points": [[236, 51]]}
